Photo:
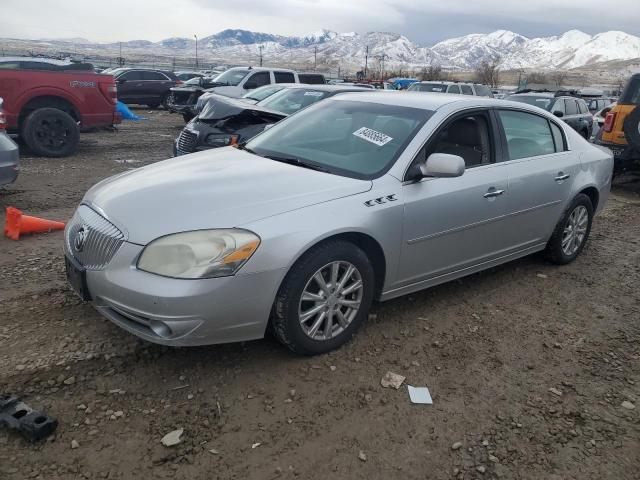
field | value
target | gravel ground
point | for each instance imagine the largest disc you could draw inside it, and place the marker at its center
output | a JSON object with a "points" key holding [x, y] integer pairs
{"points": [[533, 368]]}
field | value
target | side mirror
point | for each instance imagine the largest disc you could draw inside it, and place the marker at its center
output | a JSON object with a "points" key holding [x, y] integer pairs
{"points": [[443, 165], [558, 113], [250, 85]]}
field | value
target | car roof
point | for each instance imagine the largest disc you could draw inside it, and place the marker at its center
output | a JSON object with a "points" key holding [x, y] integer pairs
{"points": [[432, 101], [53, 61], [262, 69], [445, 82], [534, 94]]}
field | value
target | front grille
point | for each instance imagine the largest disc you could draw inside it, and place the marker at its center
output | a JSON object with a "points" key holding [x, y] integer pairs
{"points": [[187, 141], [183, 98], [92, 239]]}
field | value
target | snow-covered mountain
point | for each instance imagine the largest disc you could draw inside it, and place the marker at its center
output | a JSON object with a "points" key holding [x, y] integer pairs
{"points": [[570, 50]]}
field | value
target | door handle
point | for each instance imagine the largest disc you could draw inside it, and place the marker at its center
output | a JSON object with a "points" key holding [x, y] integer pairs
{"points": [[562, 176], [493, 193]]}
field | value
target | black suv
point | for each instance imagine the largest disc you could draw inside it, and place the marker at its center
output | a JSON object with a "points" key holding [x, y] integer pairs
{"points": [[563, 104], [145, 86]]}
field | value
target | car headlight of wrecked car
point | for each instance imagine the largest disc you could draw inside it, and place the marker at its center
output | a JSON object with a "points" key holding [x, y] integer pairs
{"points": [[220, 140], [199, 254]]}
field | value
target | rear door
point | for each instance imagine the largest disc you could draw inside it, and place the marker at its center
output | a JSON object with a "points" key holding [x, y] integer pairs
{"points": [[155, 86], [541, 173]]}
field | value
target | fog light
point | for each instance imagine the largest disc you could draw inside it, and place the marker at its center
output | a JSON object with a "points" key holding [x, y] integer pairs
{"points": [[161, 329]]}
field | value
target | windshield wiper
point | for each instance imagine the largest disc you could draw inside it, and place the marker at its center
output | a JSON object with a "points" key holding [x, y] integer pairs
{"points": [[297, 162]]}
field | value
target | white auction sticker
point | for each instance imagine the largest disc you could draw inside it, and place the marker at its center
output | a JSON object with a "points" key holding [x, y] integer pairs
{"points": [[372, 136], [313, 94]]}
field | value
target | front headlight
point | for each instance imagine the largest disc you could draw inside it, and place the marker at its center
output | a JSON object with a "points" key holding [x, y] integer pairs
{"points": [[220, 140], [199, 254]]}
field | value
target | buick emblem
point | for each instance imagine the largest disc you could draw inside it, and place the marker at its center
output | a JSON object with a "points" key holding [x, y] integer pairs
{"points": [[80, 238]]}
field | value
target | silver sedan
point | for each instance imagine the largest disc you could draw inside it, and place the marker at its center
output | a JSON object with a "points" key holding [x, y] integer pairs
{"points": [[358, 198]]}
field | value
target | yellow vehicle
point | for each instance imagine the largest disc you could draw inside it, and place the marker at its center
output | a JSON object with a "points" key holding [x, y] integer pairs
{"points": [[621, 129]]}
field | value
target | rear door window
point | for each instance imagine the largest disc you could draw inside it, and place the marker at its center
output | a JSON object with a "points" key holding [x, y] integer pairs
{"points": [[284, 77], [466, 90], [453, 89], [570, 107], [527, 135], [260, 78], [558, 138], [582, 106], [153, 76]]}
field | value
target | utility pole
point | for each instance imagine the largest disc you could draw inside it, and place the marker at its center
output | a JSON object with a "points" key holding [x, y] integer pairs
{"points": [[260, 48], [366, 61], [315, 58], [382, 59], [196, 37]]}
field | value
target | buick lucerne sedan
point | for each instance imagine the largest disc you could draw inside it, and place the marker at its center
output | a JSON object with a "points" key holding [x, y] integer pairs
{"points": [[360, 197]]}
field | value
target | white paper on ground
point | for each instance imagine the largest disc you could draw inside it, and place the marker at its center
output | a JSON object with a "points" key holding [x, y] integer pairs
{"points": [[420, 395]]}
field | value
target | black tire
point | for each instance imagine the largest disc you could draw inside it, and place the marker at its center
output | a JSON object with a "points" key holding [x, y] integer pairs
{"points": [[631, 128], [554, 250], [50, 132], [285, 322], [187, 117]]}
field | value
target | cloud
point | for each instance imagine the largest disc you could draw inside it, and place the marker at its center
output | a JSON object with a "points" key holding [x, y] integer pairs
{"points": [[425, 21]]}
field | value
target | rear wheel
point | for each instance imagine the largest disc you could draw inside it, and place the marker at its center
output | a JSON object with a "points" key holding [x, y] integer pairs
{"points": [[50, 132], [572, 231], [165, 100], [324, 299], [631, 128]]}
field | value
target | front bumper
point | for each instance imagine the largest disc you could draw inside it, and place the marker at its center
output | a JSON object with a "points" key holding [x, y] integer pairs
{"points": [[179, 312], [9, 160]]}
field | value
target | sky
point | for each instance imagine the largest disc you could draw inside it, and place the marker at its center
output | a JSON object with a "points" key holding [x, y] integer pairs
{"points": [[422, 21]]}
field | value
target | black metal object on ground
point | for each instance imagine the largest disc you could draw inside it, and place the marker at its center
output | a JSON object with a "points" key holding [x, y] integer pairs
{"points": [[32, 424]]}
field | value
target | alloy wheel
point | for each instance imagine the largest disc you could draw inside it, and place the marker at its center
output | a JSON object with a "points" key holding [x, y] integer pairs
{"points": [[330, 300], [575, 230]]}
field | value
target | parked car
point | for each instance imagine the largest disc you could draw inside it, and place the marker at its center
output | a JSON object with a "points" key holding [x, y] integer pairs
{"points": [[572, 110], [621, 130], [48, 102], [186, 75], [237, 81], [9, 166], [227, 121], [145, 86], [451, 87], [251, 97], [363, 196], [597, 104], [183, 97]]}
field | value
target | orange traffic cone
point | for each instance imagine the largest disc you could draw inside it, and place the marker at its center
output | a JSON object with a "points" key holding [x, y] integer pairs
{"points": [[16, 223]]}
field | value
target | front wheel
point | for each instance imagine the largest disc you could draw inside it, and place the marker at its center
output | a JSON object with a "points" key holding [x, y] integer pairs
{"points": [[572, 231], [50, 132], [324, 298]]}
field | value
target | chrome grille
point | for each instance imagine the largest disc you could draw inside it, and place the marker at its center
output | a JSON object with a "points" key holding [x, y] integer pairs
{"points": [[92, 239], [187, 141]]}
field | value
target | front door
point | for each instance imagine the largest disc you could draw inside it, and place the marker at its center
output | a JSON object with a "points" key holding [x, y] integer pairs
{"points": [[453, 224]]}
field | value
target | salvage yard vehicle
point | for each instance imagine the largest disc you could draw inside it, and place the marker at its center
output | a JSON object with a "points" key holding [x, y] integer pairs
{"points": [[145, 86], [251, 97], [621, 130], [47, 102], [183, 97], [362, 196], [451, 87], [237, 81], [186, 75], [225, 121], [571, 109], [9, 166]]}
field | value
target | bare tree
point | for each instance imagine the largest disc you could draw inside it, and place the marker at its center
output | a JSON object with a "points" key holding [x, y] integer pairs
{"points": [[537, 77], [559, 77], [488, 72], [432, 72]]}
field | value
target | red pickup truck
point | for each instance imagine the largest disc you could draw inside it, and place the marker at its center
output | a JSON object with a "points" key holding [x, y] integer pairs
{"points": [[48, 102]]}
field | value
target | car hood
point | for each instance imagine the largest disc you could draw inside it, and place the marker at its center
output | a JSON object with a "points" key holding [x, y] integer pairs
{"points": [[219, 107], [219, 188]]}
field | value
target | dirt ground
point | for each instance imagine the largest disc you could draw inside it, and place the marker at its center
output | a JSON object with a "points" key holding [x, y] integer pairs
{"points": [[489, 347]]}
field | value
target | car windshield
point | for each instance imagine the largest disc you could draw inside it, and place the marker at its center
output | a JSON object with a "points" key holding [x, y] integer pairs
{"points": [[263, 92], [291, 100], [542, 102], [232, 77], [353, 139], [428, 87]]}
